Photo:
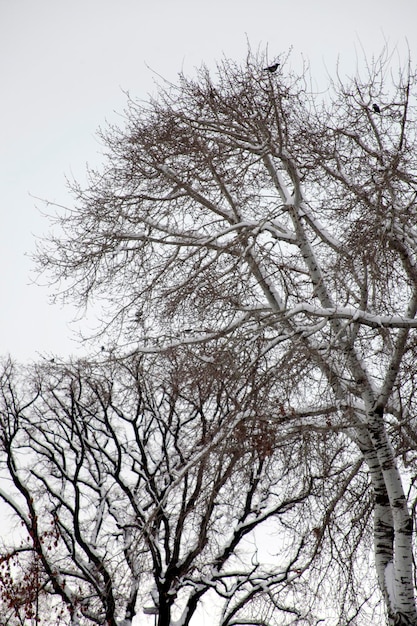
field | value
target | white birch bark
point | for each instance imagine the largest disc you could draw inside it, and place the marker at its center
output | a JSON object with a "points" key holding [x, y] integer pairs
{"points": [[404, 608]]}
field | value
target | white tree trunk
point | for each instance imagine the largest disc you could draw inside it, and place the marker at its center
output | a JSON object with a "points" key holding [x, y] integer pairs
{"points": [[396, 580]]}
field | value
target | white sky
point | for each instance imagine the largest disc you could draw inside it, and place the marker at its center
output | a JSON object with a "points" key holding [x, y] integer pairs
{"points": [[64, 65]]}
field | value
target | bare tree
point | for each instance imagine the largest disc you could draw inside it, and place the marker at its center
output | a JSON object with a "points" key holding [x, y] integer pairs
{"points": [[146, 486], [244, 208]]}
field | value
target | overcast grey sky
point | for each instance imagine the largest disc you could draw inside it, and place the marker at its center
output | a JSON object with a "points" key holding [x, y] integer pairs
{"points": [[64, 65]]}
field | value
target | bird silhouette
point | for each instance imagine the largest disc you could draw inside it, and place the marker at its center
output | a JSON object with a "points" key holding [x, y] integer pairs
{"points": [[271, 68], [376, 108]]}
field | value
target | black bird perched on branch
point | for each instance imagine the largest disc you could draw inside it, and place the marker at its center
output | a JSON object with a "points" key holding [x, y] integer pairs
{"points": [[271, 68], [376, 108]]}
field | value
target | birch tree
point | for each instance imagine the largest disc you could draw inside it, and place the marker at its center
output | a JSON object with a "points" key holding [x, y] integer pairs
{"points": [[239, 206]]}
